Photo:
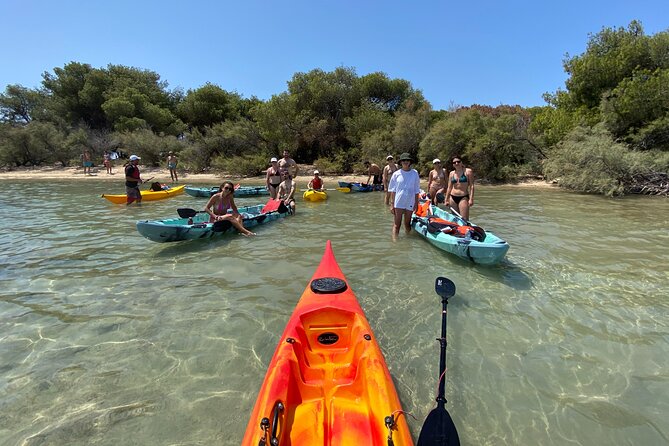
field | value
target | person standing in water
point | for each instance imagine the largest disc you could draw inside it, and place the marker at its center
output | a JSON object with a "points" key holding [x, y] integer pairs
{"points": [[273, 177], [289, 164], [221, 207], [404, 192], [436, 181], [460, 191], [172, 166], [374, 171], [388, 171], [132, 181]]}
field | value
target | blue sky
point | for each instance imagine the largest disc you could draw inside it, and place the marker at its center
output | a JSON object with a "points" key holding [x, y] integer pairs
{"points": [[457, 53]]}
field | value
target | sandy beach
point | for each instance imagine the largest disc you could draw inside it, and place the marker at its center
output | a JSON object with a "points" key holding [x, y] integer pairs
{"points": [[214, 178]]}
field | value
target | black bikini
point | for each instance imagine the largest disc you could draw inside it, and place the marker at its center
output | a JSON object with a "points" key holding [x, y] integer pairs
{"points": [[463, 179]]}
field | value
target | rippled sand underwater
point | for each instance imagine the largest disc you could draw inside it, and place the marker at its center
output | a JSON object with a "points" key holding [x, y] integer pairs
{"points": [[108, 338]]}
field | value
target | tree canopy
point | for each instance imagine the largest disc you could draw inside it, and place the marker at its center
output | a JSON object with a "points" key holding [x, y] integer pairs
{"points": [[616, 94]]}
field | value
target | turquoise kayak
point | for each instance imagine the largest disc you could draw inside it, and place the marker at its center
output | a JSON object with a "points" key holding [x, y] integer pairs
{"points": [[451, 233], [243, 191], [198, 227]]}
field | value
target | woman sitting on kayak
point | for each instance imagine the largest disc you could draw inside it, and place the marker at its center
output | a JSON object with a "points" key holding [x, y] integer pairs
{"points": [[221, 207]]}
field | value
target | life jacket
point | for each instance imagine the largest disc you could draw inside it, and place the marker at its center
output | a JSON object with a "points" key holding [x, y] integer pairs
{"points": [[423, 209], [435, 225], [316, 183]]}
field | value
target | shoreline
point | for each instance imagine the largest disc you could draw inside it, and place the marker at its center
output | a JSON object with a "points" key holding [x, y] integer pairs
{"points": [[163, 175]]}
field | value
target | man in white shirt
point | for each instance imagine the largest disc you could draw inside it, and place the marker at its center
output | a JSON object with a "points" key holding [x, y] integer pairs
{"points": [[404, 190]]}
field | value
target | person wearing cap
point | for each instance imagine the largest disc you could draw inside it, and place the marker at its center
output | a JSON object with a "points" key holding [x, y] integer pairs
{"points": [[404, 190], [273, 177], [132, 181], [436, 181], [289, 164], [388, 171], [316, 182], [375, 171], [172, 166]]}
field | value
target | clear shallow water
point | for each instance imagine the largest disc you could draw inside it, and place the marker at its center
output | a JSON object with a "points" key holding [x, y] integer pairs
{"points": [[107, 338]]}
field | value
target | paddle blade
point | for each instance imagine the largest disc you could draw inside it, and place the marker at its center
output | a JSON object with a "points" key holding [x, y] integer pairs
{"points": [[344, 189], [438, 430], [444, 287], [186, 212], [271, 206]]}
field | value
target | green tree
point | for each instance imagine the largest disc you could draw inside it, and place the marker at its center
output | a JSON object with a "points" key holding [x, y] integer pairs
{"points": [[33, 144], [636, 102], [209, 105], [384, 93], [20, 105], [589, 160], [611, 56]]}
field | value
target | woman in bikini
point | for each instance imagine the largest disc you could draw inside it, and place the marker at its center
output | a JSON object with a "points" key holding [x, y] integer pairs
{"points": [[273, 178], [218, 205], [436, 181], [460, 191]]}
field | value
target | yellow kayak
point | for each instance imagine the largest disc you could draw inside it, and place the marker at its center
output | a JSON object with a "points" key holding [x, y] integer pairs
{"points": [[315, 195], [148, 195]]}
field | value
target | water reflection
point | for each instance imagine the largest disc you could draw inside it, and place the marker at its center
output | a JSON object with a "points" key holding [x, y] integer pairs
{"points": [[110, 338]]}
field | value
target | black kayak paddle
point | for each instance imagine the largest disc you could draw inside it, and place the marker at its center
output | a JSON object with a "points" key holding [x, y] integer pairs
{"points": [[439, 428], [188, 213]]}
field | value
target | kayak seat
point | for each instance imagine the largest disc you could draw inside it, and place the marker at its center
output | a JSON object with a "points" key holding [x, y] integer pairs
{"points": [[328, 343]]}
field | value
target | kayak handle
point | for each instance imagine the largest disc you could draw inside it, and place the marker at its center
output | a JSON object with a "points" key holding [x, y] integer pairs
{"points": [[278, 407]]}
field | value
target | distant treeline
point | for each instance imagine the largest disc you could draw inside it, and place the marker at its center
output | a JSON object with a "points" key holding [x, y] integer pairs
{"points": [[606, 133]]}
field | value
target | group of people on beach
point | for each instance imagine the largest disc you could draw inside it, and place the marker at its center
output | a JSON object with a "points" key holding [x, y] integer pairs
{"points": [[401, 184], [108, 158], [279, 179], [403, 192]]}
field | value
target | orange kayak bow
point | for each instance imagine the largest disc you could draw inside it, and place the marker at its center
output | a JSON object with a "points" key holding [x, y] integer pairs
{"points": [[327, 383]]}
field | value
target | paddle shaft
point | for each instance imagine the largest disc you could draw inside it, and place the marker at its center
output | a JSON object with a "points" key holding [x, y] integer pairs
{"points": [[461, 217], [439, 429], [443, 342]]}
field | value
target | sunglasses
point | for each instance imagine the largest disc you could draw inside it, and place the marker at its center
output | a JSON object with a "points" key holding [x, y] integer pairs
{"points": [[456, 162], [228, 188]]}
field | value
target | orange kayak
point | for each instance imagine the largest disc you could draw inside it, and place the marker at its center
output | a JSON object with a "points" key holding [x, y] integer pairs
{"points": [[327, 383]]}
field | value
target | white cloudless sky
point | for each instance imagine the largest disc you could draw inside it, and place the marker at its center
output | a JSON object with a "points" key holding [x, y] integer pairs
{"points": [[457, 53]]}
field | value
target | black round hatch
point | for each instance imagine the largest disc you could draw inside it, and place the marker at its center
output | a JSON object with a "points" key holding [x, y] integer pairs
{"points": [[328, 285]]}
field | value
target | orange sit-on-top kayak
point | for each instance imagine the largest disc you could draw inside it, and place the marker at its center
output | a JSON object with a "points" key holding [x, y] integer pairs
{"points": [[327, 383]]}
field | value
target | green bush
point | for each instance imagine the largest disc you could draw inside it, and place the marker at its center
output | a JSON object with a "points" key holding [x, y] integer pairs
{"points": [[150, 147], [328, 166], [245, 166], [342, 161], [589, 160]]}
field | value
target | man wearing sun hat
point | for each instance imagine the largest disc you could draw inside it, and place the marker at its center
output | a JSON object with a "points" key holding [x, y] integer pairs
{"points": [[388, 171], [132, 181], [404, 190]]}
